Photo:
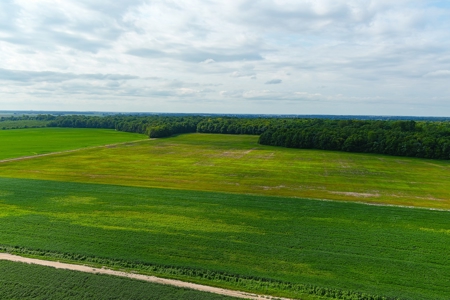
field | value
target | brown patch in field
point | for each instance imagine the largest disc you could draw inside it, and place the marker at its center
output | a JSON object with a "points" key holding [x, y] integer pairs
{"points": [[354, 194], [266, 188], [344, 164], [236, 154], [230, 183], [436, 165], [99, 176], [431, 198], [417, 197], [265, 156]]}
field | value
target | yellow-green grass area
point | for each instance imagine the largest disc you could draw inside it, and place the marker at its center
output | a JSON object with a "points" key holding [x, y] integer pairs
{"points": [[238, 164], [24, 281], [262, 244], [34, 141]]}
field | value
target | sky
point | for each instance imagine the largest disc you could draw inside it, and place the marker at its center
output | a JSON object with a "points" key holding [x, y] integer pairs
{"points": [[339, 57]]}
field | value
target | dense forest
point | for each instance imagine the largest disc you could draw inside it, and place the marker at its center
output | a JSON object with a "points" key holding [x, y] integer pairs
{"points": [[401, 138], [425, 139]]}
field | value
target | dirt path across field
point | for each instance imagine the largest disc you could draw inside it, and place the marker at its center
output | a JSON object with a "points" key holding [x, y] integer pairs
{"points": [[172, 282], [68, 151]]}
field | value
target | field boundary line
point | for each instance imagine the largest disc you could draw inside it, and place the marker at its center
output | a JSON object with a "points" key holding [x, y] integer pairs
{"points": [[68, 151], [148, 278]]}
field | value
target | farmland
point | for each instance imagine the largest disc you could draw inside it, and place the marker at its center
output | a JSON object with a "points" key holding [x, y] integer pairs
{"points": [[26, 142], [22, 124], [23, 281], [225, 211], [237, 164], [346, 246]]}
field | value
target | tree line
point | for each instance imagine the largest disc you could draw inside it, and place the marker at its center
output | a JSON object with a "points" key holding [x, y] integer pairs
{"points": [[153, 126], [400, 138], [425, 139]]}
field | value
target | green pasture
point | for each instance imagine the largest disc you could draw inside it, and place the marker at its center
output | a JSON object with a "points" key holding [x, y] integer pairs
{"points": [[24, 281], [27, 142], [379, 250], [237, 164]]}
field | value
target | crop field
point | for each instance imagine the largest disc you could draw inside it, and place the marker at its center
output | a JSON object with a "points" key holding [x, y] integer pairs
{"points": [[391, 251], [26, 142], [225, 211], [237, 164], [23, 281], [22, 124]]}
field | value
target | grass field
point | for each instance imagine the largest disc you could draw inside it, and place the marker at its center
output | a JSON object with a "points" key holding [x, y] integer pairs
{"points": [[26, 142], [225, 211], [23, 281], [391, 251], [237, 164]]}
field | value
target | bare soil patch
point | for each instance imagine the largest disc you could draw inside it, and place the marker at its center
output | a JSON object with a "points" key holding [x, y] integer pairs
{"points": [[353, 194]]}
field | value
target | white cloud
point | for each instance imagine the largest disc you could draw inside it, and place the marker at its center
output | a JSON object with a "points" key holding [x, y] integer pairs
{"points": [[208, 61], [438, 74]]}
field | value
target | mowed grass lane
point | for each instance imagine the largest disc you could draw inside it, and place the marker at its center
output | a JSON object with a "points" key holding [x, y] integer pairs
{"points": [[28, 142], [237, 164], [391, 251]]}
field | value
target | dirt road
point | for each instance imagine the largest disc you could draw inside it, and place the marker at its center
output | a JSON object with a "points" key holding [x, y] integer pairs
{"points": [[172, 282]]}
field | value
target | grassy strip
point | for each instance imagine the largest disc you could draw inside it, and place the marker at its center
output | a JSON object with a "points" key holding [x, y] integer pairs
{"points": [[26, 142], [390, 251], [24, 281], [230, 280], [237, 164]]}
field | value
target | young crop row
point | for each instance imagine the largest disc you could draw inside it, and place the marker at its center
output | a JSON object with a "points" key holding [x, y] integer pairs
{"points": [[388, 251], [236, 281], [23, 281]]}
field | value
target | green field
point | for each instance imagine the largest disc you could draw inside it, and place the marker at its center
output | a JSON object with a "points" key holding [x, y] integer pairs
{"points": [[237, 164], [23, 281], [26, 142], [391, 251], [22, 124], [225, 211]]}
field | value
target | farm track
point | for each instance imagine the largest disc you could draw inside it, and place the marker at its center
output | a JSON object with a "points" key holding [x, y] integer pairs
{"points": [[69, 151], [153, 279]]}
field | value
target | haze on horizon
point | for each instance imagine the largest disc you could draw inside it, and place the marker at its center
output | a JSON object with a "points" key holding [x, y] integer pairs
{"points": [[370, 57]]}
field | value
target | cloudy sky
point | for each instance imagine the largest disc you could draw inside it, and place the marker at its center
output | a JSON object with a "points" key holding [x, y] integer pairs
{"points": [[371, 57]]}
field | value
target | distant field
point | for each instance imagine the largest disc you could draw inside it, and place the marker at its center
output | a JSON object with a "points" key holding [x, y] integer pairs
{"points": [[237, 164], [23, 281], [26, 142], [22, 124], [391, 251]]}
